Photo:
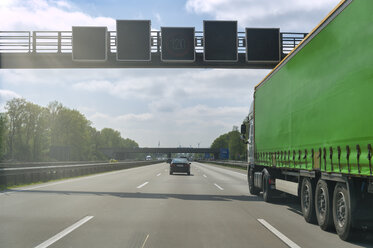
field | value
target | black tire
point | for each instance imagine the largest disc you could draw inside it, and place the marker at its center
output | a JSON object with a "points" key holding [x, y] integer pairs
{"points": [[342, 213], [307, 193], [267, 191], [323, 205], [250, 178]]}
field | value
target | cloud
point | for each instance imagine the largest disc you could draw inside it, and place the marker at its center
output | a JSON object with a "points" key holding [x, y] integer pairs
{"points": [[158, 18], [289, 15], [29, 15], [6, 95], [186, 126]]}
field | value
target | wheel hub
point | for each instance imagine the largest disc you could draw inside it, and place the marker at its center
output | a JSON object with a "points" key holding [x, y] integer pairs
{"points": [[341, 209], [321, 201], [306, 197]]}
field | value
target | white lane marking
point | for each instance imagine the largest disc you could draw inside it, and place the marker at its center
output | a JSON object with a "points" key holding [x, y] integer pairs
{"points": [[218, 186], [284, 239], [142, 185], [146, 239], [68, 180], [204, 175], [159, 174], [64, 232]]}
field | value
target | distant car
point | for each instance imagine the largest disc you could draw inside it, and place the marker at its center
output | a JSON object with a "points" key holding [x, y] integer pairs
{"points": [[148, 157], [180, 165]]}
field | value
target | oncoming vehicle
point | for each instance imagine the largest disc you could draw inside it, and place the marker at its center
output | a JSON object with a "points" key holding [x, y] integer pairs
{"points": [[180, 165], [148, 158]]}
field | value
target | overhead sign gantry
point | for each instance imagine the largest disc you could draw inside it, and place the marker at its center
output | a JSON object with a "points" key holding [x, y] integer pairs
{"points": [[135, 45]]}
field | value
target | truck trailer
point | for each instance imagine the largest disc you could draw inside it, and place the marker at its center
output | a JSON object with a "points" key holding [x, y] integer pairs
{"points": [[310, 127]]}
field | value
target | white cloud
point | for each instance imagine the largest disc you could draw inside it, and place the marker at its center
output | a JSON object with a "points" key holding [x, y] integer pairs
{"points": [[186, 126], [6, 95], [171, 87], [40, 15], [289, 15], [158, 18]]}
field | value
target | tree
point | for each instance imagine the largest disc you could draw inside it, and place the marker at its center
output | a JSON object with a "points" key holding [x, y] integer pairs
{"points": [[15, 111], [29, 132], [3, 128], [233, 142]]}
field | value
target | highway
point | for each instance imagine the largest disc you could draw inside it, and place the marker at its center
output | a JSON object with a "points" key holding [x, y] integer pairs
{"points": [[147, 207]]}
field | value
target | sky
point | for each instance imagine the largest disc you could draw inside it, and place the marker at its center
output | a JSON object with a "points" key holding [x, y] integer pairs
{"points": [[173, 107]]}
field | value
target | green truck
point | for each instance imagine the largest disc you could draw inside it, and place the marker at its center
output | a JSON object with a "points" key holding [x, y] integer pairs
{"points": [[310, 128]]}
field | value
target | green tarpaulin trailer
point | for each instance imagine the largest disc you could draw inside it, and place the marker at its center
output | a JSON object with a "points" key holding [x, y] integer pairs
{"points": [[310, 129]]}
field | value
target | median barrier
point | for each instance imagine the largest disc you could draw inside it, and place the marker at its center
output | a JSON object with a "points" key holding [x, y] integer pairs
{"points": [[42, 172]]}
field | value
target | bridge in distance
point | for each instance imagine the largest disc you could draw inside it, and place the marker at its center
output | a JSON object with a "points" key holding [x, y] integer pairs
{"points": [[120, 153]]}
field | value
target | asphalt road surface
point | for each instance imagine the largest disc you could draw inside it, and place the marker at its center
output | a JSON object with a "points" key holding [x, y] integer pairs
{"points": [[147, 207]]}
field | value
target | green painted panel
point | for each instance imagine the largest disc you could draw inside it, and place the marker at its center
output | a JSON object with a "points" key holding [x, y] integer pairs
{"points": [[322, 98]]}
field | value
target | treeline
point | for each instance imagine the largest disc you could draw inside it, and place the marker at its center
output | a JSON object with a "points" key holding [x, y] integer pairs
{"points": [[29, 132], [233, 142]]}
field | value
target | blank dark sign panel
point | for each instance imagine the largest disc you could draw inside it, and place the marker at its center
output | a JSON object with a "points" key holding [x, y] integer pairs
{"points": [[263, 45], [220, 41], [133, 40], [89, 43], [177, 44]]}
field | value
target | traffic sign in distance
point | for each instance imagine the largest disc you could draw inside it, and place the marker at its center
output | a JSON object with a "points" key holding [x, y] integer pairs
{"points": [[220, 41], [133, 40], [177, 44], [263, 45], [89, 43]]}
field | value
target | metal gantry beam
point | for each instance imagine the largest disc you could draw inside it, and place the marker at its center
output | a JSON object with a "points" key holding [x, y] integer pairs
{"points": [[53, 49]]}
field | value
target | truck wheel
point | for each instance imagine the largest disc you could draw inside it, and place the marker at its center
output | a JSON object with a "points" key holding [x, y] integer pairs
{"points": [[252, 189], [323, 205], [267, 191], [307, 200], [342, 212]]}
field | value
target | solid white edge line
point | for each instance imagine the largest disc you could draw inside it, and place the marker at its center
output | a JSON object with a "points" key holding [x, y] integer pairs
{"points": [[218, 186], [64, 232], [159, 174], [284, 239], [142, 185]]}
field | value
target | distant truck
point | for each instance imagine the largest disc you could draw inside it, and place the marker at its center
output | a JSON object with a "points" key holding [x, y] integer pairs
{"points": [[310, 127]]}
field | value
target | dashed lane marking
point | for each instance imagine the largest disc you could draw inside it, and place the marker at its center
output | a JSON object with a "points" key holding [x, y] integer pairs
{"points": [[142, 185], [64, 232], [276, 232], [146, 239], [218, 186]]}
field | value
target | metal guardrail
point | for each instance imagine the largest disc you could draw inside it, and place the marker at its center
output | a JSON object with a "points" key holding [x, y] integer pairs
{"points": [[61, 41], [38, 164], [43, 173]]}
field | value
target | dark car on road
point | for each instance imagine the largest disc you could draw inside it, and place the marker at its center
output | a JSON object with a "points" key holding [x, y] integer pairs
{"points": [[180, 165]]}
